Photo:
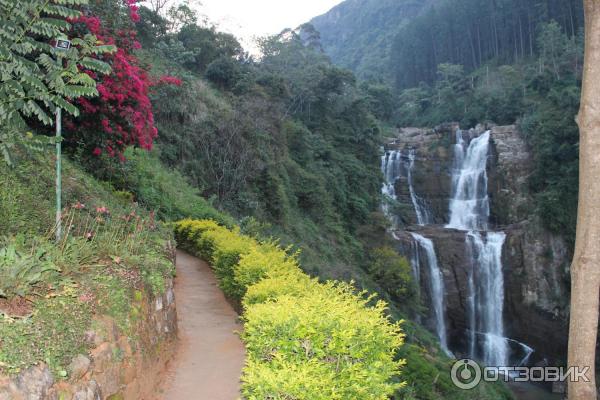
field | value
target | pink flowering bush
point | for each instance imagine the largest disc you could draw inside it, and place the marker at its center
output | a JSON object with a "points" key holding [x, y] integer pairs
{"points": [[122, 115]]}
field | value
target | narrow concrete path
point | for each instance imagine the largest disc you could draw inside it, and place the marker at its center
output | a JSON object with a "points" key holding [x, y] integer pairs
{"points": [[210, 356]]}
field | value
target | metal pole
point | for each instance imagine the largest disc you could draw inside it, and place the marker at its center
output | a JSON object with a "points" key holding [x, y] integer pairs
{"points": [[58, 175]]}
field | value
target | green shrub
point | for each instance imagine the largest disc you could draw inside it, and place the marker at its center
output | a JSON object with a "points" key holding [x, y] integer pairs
{"points": [[304, 339], [21, 270], [261, 262], [156, 187], [393, 273], [291, 284], [326, 343]]}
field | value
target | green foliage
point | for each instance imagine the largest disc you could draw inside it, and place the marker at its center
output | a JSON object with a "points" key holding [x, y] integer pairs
{"points": [[304, 339], [429, 379], [493, 32], [315, 347], [224, 72], [159, 188], [393, 273], [113, 252], [553, 133], [207, 45], [358, 34], [291, 141], [21, 269], [37, 78]]}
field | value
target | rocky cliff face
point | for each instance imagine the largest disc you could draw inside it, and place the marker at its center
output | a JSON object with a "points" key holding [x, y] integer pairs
{"points": [[535, 262]]}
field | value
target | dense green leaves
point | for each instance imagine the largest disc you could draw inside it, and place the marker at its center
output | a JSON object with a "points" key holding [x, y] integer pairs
{"points": [[291, 140], [35, 78]]}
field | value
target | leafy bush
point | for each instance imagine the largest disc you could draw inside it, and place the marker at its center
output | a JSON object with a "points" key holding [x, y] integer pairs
{"points": [[305, 340], [19, 270], [159, 188], [393, 273], [122, 115]]}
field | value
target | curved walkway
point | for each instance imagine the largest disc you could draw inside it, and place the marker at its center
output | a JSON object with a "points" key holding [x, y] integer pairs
{"points": [[210, 356]]}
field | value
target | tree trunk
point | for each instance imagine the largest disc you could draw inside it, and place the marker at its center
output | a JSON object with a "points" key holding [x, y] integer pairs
{"points": [[585, 269]]}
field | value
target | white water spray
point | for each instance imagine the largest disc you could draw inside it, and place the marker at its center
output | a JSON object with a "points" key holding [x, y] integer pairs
{"points": [[436, 289]]}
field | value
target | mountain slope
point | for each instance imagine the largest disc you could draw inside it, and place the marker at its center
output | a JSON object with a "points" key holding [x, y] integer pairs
{"points": [[357, 34]]}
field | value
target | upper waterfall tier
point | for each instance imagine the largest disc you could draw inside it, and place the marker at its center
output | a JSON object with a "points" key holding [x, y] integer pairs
{"points": [[470, 205]]}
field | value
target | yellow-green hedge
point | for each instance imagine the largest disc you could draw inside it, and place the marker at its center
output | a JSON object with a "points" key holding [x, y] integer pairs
{"points": [[305, 340]]}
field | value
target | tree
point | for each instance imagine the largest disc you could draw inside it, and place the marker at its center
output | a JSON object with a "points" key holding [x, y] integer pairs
{"points": [[36, 79], [585, 269], [553, 44], [181, 15]]}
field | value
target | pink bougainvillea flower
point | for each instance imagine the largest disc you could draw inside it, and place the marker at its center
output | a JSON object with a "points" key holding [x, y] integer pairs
{"points": [[79, 206]]}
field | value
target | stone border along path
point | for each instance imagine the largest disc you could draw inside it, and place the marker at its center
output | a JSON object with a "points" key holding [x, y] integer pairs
{"points": [[210, 356]]}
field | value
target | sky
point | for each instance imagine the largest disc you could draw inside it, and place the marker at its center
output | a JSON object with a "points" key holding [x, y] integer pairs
{"points": [[248, 19]]}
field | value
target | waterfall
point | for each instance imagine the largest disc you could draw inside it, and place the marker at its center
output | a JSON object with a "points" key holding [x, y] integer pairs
{"points": [[470, 210], [423, 215], [436, 289], [489, 295], [469, 205], [415, 262], [390, 167], [393, 163]]}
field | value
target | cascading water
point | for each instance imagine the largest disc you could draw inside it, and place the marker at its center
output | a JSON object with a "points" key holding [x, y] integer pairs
{"points": [[415, 262], [488, 296], [470, 210], [436, 289], [469, 205], [423, 214], [393, 163], [390, 167]]}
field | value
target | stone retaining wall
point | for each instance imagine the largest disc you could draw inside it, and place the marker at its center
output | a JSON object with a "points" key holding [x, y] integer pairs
{"points": [[119, 366]]}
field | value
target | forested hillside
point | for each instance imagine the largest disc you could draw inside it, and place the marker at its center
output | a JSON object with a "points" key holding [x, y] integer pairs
{"points": [[472, 33], [357, 34]]}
